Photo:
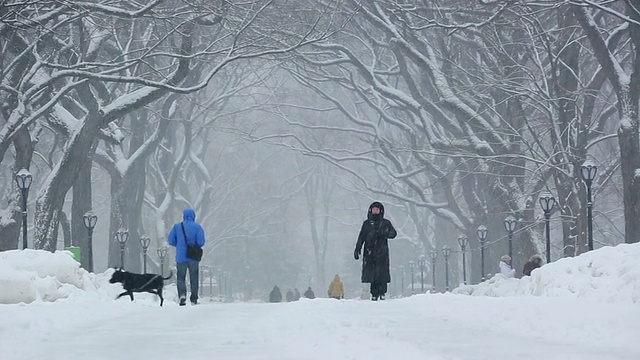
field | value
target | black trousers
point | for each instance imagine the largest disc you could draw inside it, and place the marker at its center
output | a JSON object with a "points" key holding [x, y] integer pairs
{"points": [[378, 289]]}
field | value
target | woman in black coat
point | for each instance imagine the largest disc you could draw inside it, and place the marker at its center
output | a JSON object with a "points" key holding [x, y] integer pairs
{"points": [[375, 232]]}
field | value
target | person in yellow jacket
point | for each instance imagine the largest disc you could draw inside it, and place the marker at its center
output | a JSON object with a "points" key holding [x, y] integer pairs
{"points": [[336, 288]]}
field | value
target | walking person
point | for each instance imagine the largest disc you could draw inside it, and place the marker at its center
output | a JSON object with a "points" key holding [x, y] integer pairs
{"points": [[336, 288], [309, 294], [505, 266], [289, 295], [275, 296], [373, 237], [184, 235]]}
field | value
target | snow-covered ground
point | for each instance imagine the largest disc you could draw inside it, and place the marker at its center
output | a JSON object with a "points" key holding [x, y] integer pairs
{"points": [[582, 308]]}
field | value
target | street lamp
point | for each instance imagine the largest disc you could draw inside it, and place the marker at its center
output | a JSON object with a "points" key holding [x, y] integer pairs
{"points": [[145, 241], [463, 241], [422, 262], [211, 270], [412, 265], [510, 225], [90, 220], [226, 280], [481, 232], [446, 251], [547, 203], [220, 274], [203, 269], [402, 279], [589, 172], [23, 179], [122, 236], [227, 286], [393, 283], [434, 255], [162, 254]]}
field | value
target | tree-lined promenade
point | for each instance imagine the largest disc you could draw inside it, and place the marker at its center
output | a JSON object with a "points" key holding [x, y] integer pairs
{"points": [[461, 115]]}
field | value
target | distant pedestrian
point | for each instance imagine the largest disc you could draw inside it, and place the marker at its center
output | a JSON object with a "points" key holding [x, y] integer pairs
{"points": [[505, 266], [192, 233], [534, 262], [336, 288], [375, 232], [289, 295], [309, 294], [275, 296], [296, 294]]}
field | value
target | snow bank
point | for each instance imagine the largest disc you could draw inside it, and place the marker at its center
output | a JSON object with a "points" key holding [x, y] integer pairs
{"points": [[609, 274], [37, 275]]}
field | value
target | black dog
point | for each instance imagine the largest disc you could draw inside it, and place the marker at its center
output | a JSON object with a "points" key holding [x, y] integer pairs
{"points": [[131, 282]]}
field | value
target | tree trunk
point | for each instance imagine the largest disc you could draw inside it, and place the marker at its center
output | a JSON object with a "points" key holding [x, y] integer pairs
{"points": [[10, 237], [126, 203], [567, 68], [10, 228], [135, 185], [630, 163], [628, 98], [80, 205], [627, 91], [66, 228], [118, 221], [50, 199]]}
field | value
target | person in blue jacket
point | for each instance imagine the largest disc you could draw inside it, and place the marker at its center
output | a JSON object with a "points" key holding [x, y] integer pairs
{"points": [[194, 235]]}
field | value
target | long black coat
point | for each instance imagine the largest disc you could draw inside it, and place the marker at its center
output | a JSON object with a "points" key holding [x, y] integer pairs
{"points": [[375, 257]]}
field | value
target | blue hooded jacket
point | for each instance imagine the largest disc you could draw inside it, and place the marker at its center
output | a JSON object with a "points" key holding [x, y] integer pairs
{"points": [[195, 235]]}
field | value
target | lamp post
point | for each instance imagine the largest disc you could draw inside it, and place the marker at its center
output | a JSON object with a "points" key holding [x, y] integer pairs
{"points": [[396, 285], [547, 203], [412, 265], [393, 283], [227, 285], [122, 236], [481, 232], [211, 270], [446, 251], [162, 254], [220, 273], [422, 261], [433, 254], [589, 172], [145, 241], [510, 225], [224, 290], [90, 220], [402, 280], [203, 270], [23, 179], [463, 241]]}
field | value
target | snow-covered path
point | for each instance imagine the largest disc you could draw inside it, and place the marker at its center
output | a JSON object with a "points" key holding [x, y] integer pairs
{"points": [[421, 327]]}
